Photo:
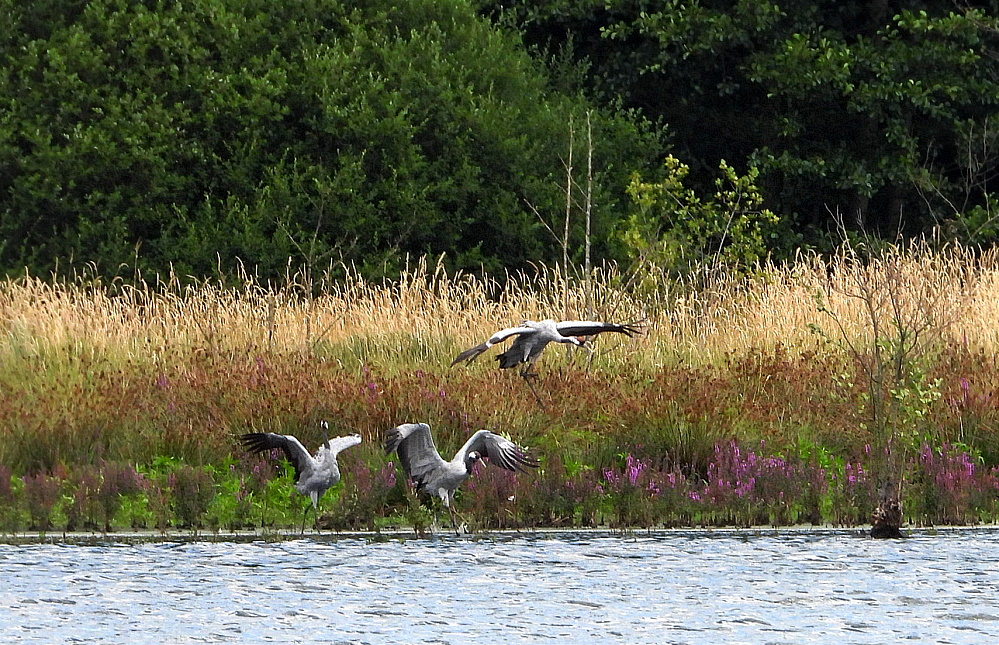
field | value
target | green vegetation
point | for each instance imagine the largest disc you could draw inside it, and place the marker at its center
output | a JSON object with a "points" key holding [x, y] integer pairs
{"points": [[766, 399]]}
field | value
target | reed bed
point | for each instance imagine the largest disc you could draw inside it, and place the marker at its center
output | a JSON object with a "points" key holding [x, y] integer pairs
{"points": [[776, 305], [99, 376]]}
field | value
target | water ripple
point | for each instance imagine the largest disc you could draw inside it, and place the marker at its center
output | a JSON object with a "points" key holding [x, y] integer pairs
{"points": [[673, 587]]}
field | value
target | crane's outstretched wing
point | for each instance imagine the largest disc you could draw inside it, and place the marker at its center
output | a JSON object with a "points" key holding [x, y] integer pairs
{"points": [[471, 353], [339, 444], [293, 449], [590, 328], [499, 450], [416, 450]]}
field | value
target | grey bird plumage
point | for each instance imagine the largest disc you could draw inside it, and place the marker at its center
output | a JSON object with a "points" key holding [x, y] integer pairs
{"points": [[533, 337], [435, 476], [314, 474]]}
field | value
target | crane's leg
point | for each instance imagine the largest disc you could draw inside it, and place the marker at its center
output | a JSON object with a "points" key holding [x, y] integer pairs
{"points": [[446, 500], [315, 515], [314, 498], [448, 503], [464, 522], [456, 525], [527, 376]]}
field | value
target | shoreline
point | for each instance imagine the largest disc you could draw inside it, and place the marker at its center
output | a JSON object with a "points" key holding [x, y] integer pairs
{"points": [[125, 538]]}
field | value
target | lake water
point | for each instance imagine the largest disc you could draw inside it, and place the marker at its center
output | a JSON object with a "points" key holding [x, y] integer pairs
{"points": [[788, 586]]}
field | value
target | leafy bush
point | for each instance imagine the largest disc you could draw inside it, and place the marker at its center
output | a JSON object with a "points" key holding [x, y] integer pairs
{"points": [[193, 491], [41, 493], [676, 230]]}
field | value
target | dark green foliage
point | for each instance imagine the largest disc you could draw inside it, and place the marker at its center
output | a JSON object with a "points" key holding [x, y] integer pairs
{"points": [[163, 135], [200, 136], [41, 493], [119, 482], [10, 514], [883, 112], [193, 490]]}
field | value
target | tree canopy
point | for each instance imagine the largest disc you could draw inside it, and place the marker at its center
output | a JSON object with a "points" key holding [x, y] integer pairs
{"points": [[163, 136], [882, 112], [160, 134]]}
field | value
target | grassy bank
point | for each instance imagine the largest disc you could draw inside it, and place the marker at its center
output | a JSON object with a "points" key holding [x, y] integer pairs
{"points": [[764, 399]]}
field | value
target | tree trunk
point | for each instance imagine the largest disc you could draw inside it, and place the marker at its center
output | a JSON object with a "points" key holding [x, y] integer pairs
{"points": [[886, 520]]}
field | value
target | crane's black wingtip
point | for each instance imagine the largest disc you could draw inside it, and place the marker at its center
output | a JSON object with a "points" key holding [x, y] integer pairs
{"points": [[527, 460], [628, 329], [392, 440], [256, 441], [469, 354]]}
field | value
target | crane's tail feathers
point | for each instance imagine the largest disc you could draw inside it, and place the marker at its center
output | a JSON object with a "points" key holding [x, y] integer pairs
{"points": [[509, 359]]}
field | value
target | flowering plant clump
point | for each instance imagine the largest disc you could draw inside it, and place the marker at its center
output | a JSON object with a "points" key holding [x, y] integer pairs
{"points": [[749, 488], [632, 490], [193, 490], [739, 486], [361, 498], [491, 494], [118, 482], [949, 487], [42, 494], [554, 497], [742, 487], [80, 496], [853, 494]]}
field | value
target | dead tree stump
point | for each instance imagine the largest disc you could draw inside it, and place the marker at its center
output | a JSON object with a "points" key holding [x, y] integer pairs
{"points": [[886, 520]]}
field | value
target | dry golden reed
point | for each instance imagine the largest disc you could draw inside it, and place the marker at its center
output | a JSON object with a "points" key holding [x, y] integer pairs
{"points": [[428, 315]]}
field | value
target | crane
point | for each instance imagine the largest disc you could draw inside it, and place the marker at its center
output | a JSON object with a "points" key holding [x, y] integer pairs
{"points": [[314, 474], [437, 477], [533, 337]]}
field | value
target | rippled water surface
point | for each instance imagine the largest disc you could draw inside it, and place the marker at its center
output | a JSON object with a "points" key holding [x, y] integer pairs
{"points": [[690, 587]]}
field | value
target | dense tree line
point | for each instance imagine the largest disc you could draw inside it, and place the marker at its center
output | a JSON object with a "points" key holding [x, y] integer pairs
{"points": [[160, 134], [881, 112], [156, 135]]}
